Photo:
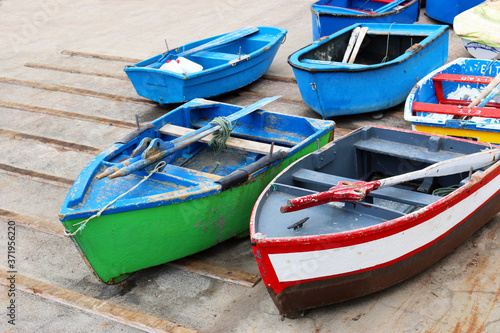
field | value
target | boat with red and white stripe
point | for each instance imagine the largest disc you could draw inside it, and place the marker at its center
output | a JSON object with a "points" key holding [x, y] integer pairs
{"points": [[403, 201]]}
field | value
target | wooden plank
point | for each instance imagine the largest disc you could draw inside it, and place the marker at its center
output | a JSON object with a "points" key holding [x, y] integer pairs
{"points": [[75, 71], [235, 276], [99, 56], [351, 43], [359, 41], [78, 91], [55, 180], [235, 143], [52, 142], [92, 305], [66, 114], [33, 222], [456, 110]]}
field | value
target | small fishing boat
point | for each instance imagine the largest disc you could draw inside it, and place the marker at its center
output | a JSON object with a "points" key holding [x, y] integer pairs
{"points": [[161, 193], [446, 10], [442, 101], [208, 67], [368, 211], [355, 70], [479, 29], [329, 16]]}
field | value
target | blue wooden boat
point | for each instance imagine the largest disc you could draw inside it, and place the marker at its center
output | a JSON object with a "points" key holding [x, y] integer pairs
{"points": [[439, 102], [167, 195], [367, 67], [228, 62], [329, 16], [446, 10]]}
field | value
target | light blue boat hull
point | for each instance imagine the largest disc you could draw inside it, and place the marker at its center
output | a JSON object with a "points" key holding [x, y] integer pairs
{"points": [[333, 88], [446, 10], [327, 20], [224, 68]]}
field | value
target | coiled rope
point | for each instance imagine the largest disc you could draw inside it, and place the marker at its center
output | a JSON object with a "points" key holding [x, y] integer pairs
{"points": [[218, 141], [83, 223]]}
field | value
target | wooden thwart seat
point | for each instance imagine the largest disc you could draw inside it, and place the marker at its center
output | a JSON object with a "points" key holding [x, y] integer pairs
{"points": [[459, 78], [235, 143], [306, 176], [456, 110]]}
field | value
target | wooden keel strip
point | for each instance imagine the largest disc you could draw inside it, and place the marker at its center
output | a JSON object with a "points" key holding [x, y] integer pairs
{"points": [[58, 181], [32, 222], [52, 142], [74, 71], [225, 274], [66, 114], [77, 91], [99, 56], [92, 305]]}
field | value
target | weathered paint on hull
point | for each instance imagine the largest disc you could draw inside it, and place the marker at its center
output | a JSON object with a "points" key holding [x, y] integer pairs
{"points": [[116, 245]]}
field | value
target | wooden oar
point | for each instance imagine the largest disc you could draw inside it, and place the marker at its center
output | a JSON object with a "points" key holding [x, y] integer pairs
{"points": [[488, 93], [346, 191], [227, 38], [153, 154]]}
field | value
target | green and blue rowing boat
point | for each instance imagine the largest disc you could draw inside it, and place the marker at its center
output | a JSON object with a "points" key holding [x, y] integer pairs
{"points": [[162, 192]]}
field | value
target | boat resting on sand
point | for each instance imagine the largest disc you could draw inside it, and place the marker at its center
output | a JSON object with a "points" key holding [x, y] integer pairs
{"points": [[192, 199], [329, 16], [439, 102], [395, 203], [355, 70], [214, 66]]}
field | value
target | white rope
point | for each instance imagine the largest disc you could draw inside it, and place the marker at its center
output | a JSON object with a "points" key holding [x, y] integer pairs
{"points": [[84, 222]]}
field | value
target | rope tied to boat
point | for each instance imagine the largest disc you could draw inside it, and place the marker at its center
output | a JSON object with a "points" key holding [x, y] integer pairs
{"points": [[387, 46], [218, 141], [83, 224]]}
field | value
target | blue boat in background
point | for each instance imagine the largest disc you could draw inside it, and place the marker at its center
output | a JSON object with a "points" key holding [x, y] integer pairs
{"points": [[208, 67], [367, 67], [446, 10], [329, 16]]}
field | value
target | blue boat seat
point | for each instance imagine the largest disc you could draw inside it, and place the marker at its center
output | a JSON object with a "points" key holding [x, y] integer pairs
{"points": [[307, 176], [424, 154], [216, 55]]}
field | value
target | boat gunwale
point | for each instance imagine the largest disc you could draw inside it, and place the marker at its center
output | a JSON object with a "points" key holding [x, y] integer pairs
{"points": [[358, 16], [319, 128], [340, 67], [390, 227], [261, 50]]}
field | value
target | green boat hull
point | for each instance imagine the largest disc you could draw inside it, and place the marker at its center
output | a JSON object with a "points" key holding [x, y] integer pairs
{"points": [[117, 245]]}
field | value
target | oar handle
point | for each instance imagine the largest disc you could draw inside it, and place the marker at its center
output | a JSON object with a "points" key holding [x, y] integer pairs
{"points": [[343, 191], [495, 82]]}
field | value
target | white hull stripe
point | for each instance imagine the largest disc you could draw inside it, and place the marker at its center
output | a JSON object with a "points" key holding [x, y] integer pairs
{"points": [[296, 266]]}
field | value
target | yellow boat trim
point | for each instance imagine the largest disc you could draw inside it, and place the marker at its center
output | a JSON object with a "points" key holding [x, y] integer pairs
{"points": [[482, 136]]}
